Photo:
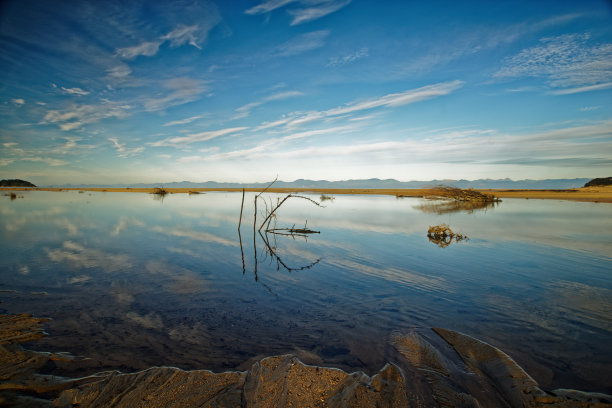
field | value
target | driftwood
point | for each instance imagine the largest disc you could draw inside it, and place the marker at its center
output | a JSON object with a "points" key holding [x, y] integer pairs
{"points": [[272, 212], [458, 194], [266, 230], [293, 231]]}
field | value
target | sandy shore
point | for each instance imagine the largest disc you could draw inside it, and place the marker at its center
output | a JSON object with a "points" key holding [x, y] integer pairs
{"points": [[591, 194]]}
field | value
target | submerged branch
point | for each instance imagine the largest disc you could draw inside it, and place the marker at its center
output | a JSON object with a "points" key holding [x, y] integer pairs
{"points": [[274, 254]]}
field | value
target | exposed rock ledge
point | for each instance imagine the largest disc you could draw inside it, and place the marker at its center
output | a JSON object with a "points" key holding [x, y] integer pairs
{"points": [[475, 374]]}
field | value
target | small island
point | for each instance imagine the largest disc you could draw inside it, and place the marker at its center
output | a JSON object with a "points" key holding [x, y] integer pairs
{"points": [[598, 182], [15, 183]]}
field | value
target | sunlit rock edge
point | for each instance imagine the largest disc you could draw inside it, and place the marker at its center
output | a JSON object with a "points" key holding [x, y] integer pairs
{"points": [[465, 372]]}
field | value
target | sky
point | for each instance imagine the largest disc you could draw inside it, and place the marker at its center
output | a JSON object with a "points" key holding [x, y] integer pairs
{"points": [[111, 92]]}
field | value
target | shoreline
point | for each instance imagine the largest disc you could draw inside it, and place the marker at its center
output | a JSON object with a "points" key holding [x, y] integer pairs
{"points": [[436, 368], [587, 194]]}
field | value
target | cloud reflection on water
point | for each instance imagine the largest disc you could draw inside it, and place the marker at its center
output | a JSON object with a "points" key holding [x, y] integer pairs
{"points": [[174, 277], [80, 257]]}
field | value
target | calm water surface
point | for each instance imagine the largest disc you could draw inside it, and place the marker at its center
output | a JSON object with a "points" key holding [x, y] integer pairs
{"points": [[133, 281]]}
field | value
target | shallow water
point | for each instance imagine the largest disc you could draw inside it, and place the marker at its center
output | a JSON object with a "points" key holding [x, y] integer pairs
{"points": [[134, 281]]}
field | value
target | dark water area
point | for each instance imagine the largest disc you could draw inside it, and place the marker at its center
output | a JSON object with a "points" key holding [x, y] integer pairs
{"points": [[133, 280]]}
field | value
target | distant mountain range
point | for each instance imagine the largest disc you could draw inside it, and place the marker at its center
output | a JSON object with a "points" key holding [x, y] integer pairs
{"points": [[374, 183]]}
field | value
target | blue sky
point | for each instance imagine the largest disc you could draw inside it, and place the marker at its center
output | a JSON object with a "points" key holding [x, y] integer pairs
{"points": [[146, 91]]}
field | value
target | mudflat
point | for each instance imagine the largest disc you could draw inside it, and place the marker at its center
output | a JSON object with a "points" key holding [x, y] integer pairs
{"points": [[591, 194]]}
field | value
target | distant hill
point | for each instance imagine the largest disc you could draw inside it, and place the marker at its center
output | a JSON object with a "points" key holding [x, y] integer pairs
{"points": [[15, 183], [605, 181], [548, 184]]}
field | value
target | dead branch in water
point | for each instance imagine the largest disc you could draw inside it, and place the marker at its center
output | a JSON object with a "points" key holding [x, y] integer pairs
{"points": [[293, 232], [273, 210], [443, 236], [299, 232], [272, 251], [241, 207], [265, 228]]}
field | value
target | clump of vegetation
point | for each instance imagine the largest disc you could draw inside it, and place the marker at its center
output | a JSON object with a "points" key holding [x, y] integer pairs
{"points": [[327, 197], [442, 235], [599, 182], [13, 196], [194, 192], [160, 191], [459, 194]]}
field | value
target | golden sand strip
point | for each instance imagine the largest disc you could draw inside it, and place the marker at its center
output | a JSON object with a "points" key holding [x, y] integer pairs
{"points": [[591, 194]]}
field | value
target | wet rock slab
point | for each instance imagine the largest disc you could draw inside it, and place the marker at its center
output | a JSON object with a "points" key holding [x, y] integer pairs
{"points": [[468, 373]]}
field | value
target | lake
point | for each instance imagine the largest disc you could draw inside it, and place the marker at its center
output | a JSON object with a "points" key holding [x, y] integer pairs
{"points": [[134, 280]]}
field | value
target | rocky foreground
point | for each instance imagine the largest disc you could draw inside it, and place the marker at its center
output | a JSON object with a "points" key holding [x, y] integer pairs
{"points": [[457, 372]]}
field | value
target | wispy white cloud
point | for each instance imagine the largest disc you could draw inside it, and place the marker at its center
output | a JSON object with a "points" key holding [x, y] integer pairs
{"points": [[271, 146], [76, 116], [244, 110], [399, 99], [12, 148], [193, 34], [577, 145], [37, 155], [179, 141], [320, 9], [6, 162], [74, 91], [348, 58], [147, 48], [18, 101], [308, 11], [477, 40], [186, 120], [580, 89], [183, 34], [191, 159], [179, 91], [302, 43], [124, 151], [386, 101], [67, 147], [588, 108], [46, 160], [567, 61], [119, 72], [268, 6]]}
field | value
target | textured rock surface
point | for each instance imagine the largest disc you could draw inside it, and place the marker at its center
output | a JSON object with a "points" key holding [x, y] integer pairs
{"points": [[463, 372]]}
